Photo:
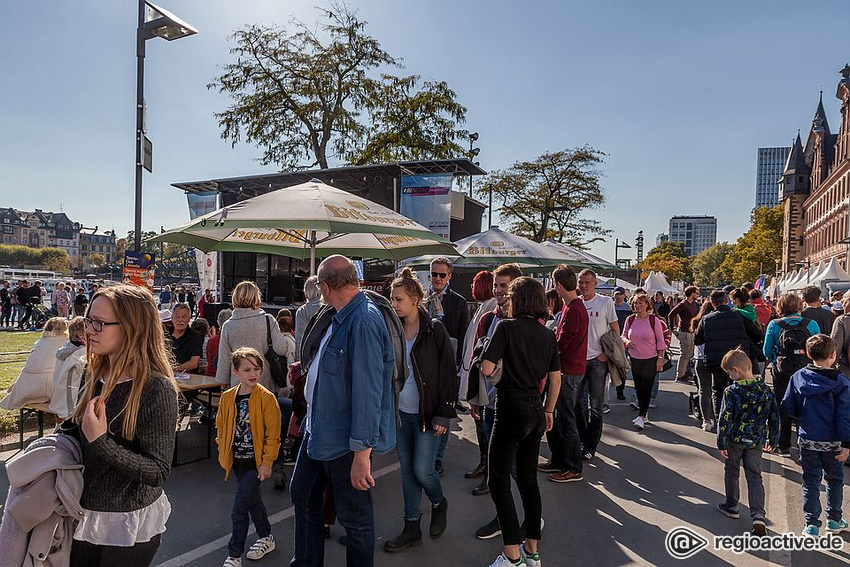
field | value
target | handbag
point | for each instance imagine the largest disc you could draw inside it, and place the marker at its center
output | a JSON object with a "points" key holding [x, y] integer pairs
{"points": [[277, 363], [668, 364]]}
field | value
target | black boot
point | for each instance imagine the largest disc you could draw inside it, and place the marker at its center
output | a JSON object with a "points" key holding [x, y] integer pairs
{"points": [[480, 470], [482, 488], [438, 518], [409, 537]]}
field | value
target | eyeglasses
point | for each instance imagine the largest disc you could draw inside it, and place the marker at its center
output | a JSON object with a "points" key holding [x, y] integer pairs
{"points": [[98, 325], [441, 275]]}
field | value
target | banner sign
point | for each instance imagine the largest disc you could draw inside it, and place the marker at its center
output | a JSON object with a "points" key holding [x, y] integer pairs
{"points": [[201, 204], [427, 199], [139, 268]]}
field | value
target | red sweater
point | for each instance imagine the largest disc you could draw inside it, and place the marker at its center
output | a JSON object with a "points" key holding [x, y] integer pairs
{"points": [[572, 338]]}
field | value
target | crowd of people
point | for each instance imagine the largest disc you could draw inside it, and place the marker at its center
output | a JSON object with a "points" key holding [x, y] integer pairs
{"points": [[356, 373], [22, 305]]}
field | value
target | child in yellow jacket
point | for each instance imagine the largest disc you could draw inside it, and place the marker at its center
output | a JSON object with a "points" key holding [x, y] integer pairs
{"points": [[248, 437]]}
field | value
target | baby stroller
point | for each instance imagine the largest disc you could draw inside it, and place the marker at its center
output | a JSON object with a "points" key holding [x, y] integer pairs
{"points": [[40, 315]]}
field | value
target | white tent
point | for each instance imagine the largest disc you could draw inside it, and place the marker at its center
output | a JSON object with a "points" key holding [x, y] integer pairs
{"points": [[832, 272], [787, 279], [799, 282], [815, 274], [656, 281]]}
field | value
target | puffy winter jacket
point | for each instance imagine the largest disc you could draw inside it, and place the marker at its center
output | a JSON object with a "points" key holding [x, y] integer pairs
{"points": [[721, 331], [748, 415], [819, 399], [71, 362]]}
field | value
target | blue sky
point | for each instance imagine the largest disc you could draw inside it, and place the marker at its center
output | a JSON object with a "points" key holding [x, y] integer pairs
{"points": [[679, 94]]}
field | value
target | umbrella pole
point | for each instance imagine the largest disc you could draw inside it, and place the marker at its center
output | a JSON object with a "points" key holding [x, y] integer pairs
{"points": [[312, 252]]}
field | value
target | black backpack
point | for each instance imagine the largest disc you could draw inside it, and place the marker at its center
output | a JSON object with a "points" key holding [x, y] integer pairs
{"points": [[791, 347]]}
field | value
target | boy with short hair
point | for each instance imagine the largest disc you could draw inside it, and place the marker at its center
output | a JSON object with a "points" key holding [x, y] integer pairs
{"points": [[248, 424], [747, 423], [818, 397]]}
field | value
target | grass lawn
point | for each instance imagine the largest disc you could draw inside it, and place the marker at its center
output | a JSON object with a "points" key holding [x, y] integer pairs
{"points": [[10, 367], [11, 364]]}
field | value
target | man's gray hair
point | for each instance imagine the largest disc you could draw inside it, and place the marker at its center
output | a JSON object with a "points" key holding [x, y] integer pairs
{"points": [[442, 260], [223, 316], [587, 272], [180, 306], [338, 272], [311, 288]]}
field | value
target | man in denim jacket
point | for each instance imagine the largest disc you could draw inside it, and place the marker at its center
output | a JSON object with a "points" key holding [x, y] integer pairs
{"points": [[348, 356]]}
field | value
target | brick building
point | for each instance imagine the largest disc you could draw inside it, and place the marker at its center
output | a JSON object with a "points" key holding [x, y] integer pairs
{"points": [[815, 187]]}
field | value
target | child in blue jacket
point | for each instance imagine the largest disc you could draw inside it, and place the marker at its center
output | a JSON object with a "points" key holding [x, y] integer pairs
{"points": [[818, 397]]}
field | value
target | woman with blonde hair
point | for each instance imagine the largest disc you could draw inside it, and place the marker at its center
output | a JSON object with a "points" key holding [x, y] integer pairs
{"points": [[127, 443], [60, 300], [250, 326], [426, 408]]}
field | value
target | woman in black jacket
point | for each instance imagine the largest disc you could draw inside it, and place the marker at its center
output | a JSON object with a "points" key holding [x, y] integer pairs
{"points": [[426, 407]]}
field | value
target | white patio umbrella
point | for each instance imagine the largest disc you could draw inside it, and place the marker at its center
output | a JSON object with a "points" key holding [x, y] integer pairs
{"points": [[309, 219], [493, 247]]}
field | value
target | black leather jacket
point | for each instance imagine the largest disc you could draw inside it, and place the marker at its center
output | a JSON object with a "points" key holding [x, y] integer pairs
{"points": [[435, 373]]}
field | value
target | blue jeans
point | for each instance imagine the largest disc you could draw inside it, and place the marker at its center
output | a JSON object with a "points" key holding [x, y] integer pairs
{"points": [[590, 429], [441, 449], [248, 501], [818, 465], [417, 450], [563, 439], [353, 509]]}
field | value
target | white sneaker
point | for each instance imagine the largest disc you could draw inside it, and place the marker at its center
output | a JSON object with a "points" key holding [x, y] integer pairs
{"points": [[233, 562], [652, 404], [531, 559], [261, 547], [638, 421], [502, 561]]}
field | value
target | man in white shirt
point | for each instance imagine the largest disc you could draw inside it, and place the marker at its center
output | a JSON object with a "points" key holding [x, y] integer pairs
{"points": [[601, 316]]}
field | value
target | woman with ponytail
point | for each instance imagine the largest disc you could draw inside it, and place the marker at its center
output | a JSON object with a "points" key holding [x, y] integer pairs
{"points": [[426, 407], [125, 422]]}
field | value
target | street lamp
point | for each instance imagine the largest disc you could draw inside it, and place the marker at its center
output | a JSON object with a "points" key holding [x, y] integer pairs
{"points": [[153, 22]]}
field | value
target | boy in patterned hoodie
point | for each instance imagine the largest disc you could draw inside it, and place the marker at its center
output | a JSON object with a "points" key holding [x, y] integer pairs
{"points": [[748, 423]]}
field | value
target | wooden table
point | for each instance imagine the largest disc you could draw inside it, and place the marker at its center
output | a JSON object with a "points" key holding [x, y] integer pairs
{"points": [[197, 383]]}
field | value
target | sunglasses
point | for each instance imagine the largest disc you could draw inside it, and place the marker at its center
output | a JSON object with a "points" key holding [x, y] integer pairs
{"points": [[441, 275]]}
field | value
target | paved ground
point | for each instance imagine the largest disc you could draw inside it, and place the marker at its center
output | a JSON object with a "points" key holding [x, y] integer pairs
{"points": [[639, 487]]}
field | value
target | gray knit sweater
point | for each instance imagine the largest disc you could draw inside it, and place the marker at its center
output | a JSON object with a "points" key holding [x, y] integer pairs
{"points": [[247, 328], [121, 475]]}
